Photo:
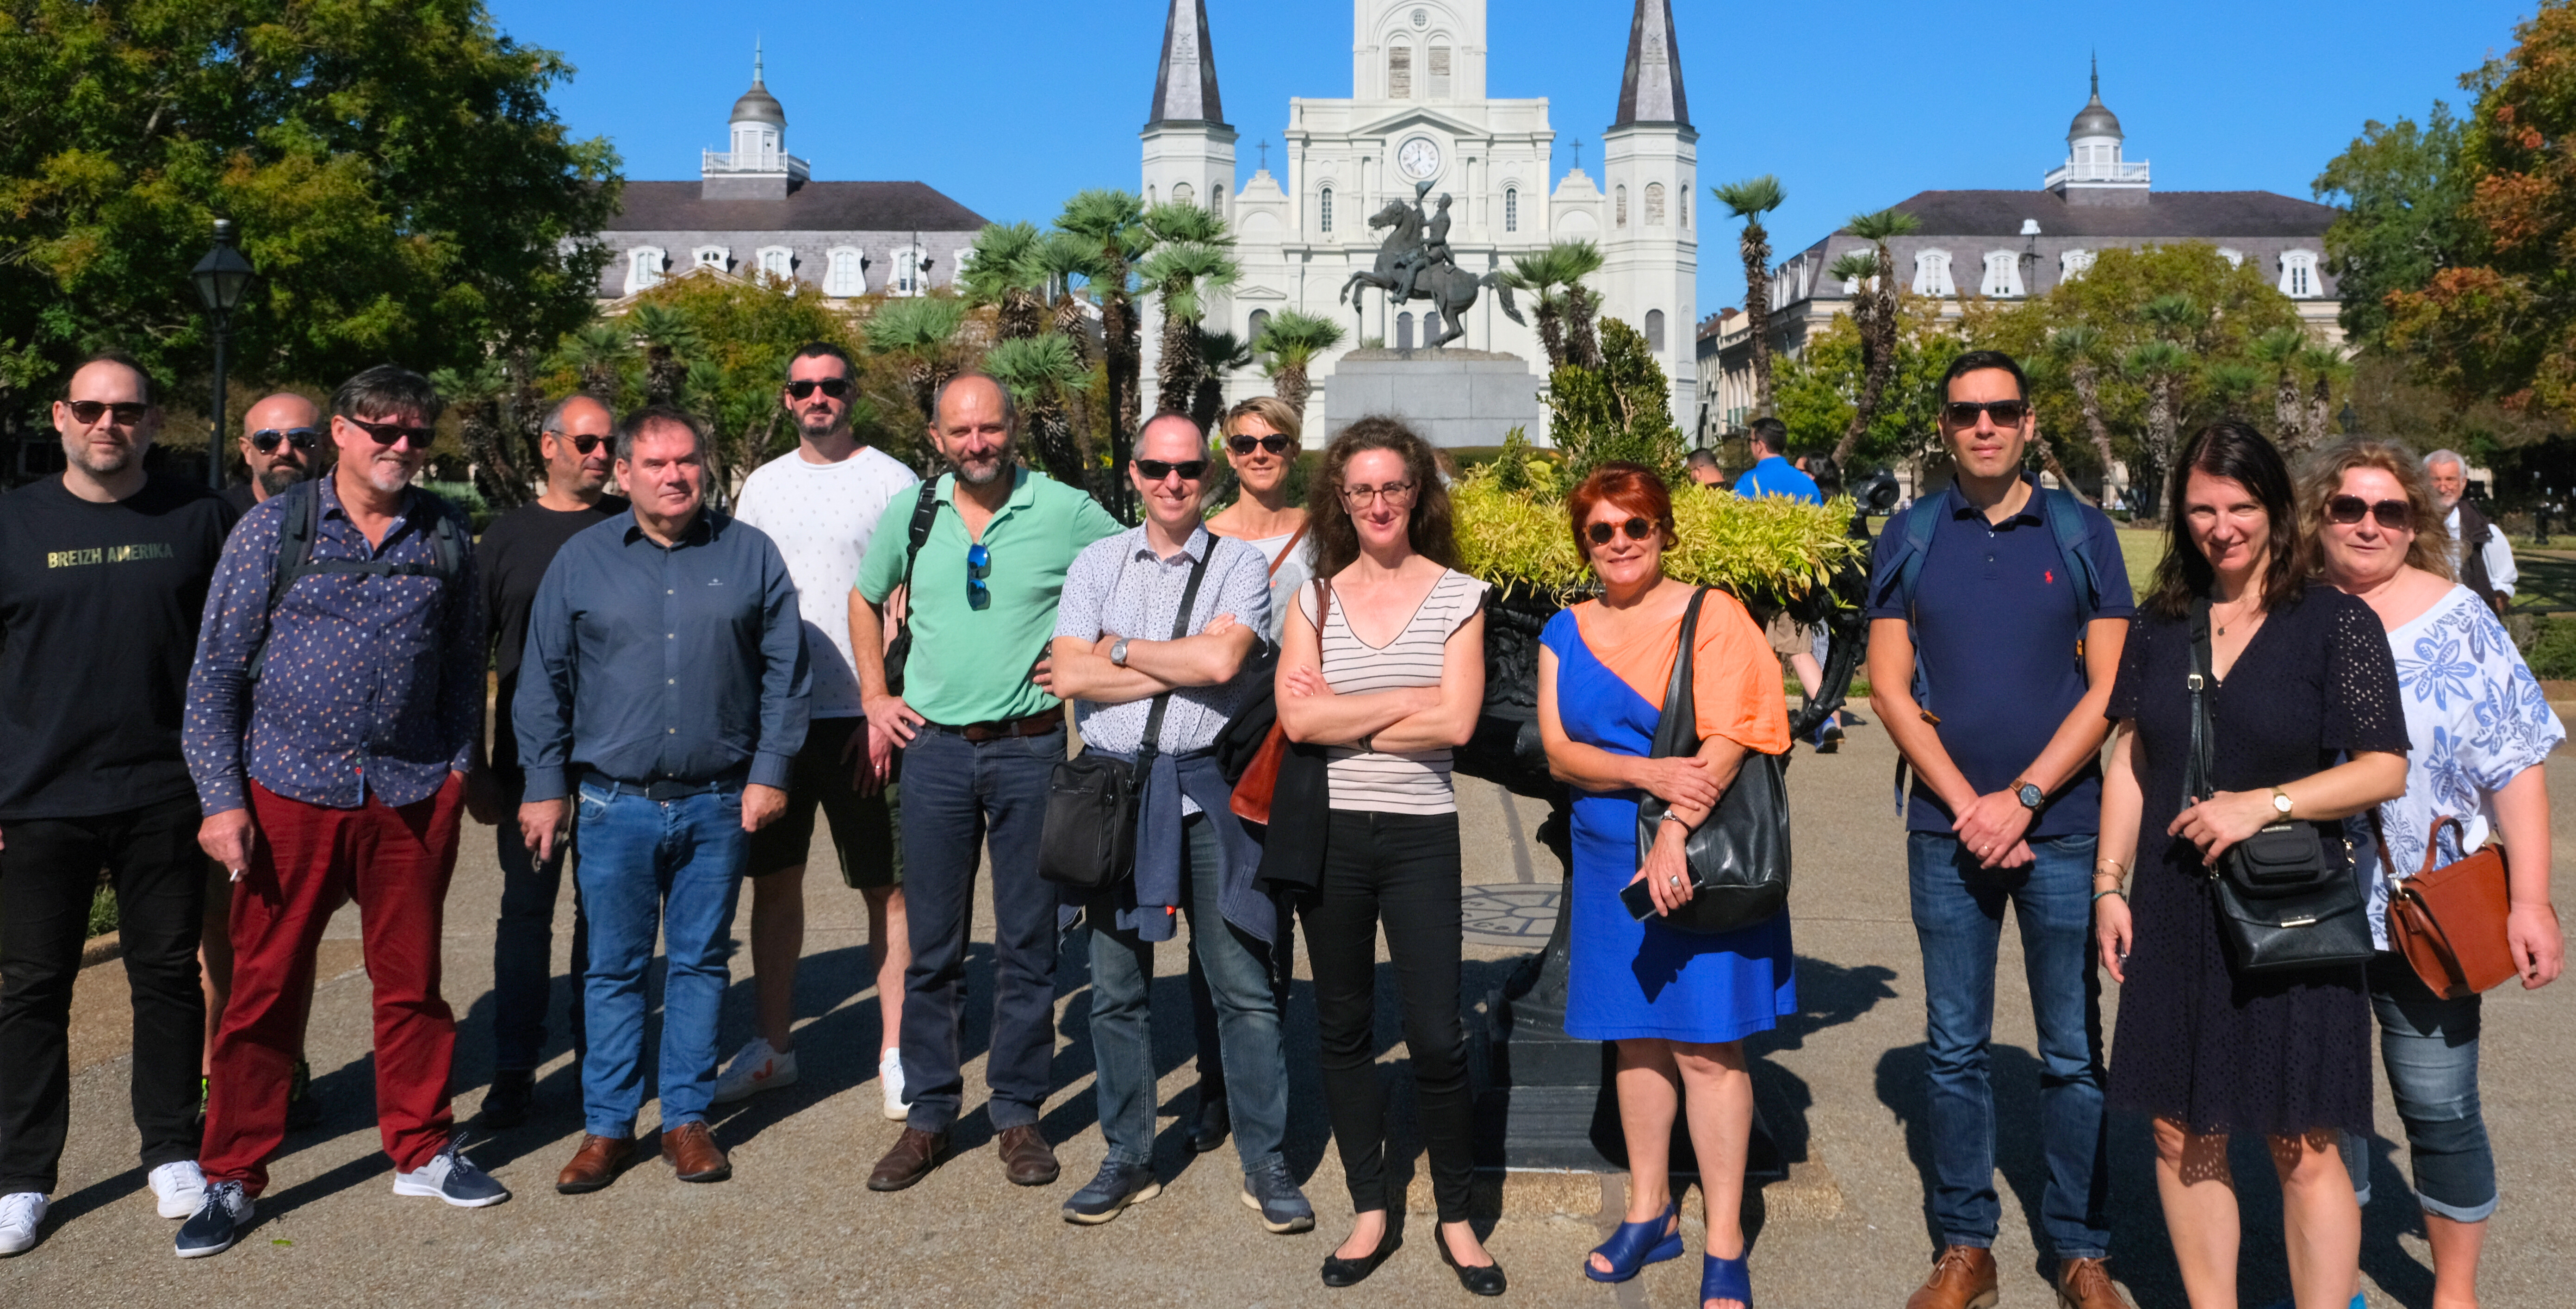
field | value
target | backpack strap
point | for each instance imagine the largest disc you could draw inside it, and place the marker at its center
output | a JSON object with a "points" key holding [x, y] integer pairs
{"points": [[2066, 523], [924, 510], [302, 526]]}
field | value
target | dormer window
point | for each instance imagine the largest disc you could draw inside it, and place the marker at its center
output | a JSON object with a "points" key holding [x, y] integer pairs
{"points": [[1932, 273], [712, 256], [845, 272], [778, 261], [2234, 258], [2003, 274], [643, 268], [909, 277], [2299, 275]]}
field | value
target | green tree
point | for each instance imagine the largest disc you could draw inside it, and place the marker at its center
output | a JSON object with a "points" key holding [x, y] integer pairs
{"points": [[1192, 259], [2162, 368], [601, 354], [1218, 354], [1875, 313], [1618, 410], [2402, 188], [668, 343], [1749, 200], [2078, 351], [477, 396], [919, 333], [1005, 270], [399, 178], [1566, 308], [1040, 371], [1110, 225], [1287, 346], [2279, 350], [1819, 388]]}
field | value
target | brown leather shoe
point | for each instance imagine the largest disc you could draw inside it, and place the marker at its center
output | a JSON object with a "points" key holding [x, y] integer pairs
{"points": [[1027, 1159], [915, 1153], [597, 1163], [2086, 1284], [1964, 1278], [694, 1155]]}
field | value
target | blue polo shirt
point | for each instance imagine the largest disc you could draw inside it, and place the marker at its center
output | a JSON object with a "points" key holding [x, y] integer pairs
{"points": [[1777, 476], [1995, 632]]}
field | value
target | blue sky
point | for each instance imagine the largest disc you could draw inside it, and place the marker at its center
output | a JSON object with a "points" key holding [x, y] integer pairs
{"points": [[1011, 106]]}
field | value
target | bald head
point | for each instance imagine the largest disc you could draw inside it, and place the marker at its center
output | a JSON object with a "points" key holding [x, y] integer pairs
{"points": [[1172, 438], [281, 442], [576, 475]]}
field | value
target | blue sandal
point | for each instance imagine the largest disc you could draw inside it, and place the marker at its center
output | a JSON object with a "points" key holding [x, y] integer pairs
{"points": [[1636, 1245], [1726, 1279]]}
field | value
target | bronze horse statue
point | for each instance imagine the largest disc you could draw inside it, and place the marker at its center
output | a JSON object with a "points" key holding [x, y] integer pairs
{"points": [[1449, 288]]}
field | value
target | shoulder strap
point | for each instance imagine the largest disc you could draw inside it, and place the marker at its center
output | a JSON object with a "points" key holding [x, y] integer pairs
{"points": [[296, 528], [1151, 743], [1921, 519], [2066, 523], [2201, 762], [1677, 729], [923, 511], [1291, 547]]}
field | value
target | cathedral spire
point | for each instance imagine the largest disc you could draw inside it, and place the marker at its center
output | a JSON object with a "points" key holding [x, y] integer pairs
{"points": [[1185, 84], [1651, 89]]}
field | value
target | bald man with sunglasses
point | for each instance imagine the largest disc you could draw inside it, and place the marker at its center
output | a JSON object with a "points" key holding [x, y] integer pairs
{"points": [[282, 443]]}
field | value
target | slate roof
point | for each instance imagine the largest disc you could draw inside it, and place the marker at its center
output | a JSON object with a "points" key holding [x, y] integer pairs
{"points": [[2171, 214], [1185, 82], [812, 207], [1650, 90]]}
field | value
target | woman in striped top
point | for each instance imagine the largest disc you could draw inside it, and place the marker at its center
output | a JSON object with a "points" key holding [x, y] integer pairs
{"points": [[1394, 680]]}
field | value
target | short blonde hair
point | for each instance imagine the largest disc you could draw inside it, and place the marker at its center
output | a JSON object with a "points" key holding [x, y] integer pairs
{"points": [[2321, 479], [1277, 414]]}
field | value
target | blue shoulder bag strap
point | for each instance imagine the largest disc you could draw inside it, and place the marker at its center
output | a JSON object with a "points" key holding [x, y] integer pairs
{"points": [[2066, 523], [1903, 573]]}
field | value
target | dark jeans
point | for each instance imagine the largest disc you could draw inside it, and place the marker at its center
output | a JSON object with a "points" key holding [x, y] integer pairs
{"points": [[1399, 871], [2430, 1048], [48, 876], [523, 953], [1958, 919], [956, 793]]}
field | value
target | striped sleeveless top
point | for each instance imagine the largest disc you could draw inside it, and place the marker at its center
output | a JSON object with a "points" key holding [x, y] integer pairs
{"points": [[1378, 781]]}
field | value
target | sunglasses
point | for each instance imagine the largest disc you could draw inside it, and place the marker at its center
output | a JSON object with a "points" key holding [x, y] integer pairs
{"points": [[267, 439], [86, 412], [2394, 515], [1275, 443], [1155, 470], [979, 565], [1397, 494], [582, 444], [1638, 529], [389, 433], [836, 387], [2007, 413]]}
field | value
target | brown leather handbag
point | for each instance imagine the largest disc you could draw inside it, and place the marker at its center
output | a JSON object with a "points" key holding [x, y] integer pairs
{"points": [[2449, 921], [1260, 779]]}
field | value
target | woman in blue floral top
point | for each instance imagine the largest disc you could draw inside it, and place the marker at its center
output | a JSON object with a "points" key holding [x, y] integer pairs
{"points": [[2481, 731]]}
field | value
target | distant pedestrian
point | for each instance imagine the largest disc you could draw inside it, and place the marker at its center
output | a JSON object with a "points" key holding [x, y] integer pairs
{"points": [[282, 443], [2481, 557], [332, 713], [103, 573], [1793, 641], [1704, 471], [578, 441], [666, 691]]}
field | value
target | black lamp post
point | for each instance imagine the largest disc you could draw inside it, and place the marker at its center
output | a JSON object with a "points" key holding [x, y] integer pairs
{"points": [[221, 277]]}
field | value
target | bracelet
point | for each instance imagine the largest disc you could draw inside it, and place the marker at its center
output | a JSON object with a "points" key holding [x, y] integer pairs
{"points": [[2097, 895], [2121, 869], [1366, 744]]}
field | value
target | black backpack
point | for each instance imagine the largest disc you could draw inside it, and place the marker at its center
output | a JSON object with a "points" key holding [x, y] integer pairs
{"points": [[303, 522]]}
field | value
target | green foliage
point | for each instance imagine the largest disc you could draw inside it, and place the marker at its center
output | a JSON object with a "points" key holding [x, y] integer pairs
{"points": [[1565, 309], [400, 181], [1512, 467], [1817, 389], [1768, 547], [1751, 198], [1293, 339], [1621, 410], [2401, 188], [2552, 653], [102, 911]]}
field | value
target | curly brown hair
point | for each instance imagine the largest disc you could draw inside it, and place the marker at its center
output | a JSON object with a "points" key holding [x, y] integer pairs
{"points": [[1337, 542], [2321, 479]]}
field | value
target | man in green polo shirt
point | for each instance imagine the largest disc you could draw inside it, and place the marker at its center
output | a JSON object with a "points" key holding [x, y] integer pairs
{"points": [[979, 740]]}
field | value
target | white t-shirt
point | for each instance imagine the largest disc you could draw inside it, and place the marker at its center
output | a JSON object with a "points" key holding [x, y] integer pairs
{"points": [[1298, 570], [821, 516]]}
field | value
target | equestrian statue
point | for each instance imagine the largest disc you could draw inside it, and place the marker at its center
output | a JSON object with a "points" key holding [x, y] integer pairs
{"points": [[1414, 263]]}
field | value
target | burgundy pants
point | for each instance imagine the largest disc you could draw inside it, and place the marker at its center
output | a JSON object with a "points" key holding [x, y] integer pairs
{"points": [[311, 860]]}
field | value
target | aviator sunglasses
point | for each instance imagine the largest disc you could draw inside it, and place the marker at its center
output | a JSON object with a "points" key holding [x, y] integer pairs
{"points": [[1275, 443], [267, 439], [836, 387], [1638, 529], [2394, 515], [128, 412], [1963, 413], [979, 565]]}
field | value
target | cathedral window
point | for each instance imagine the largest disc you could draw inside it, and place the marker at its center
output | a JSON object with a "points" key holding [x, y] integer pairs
{"points": [[2071, 265], [1619, 207], [845, 273], [1260, 323], [1932, 273], [1399, 72], [1324, 210], [1654, 204], [1404, 331], [1655, 330], [643, 268], [1183, 194], [2003, 274], [1439, 72], [1511, 209], [2299, 274]]}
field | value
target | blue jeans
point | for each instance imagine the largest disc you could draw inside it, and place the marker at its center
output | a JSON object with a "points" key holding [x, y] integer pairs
{"points": [[675, 865], [955, 793], [523, 953], [2430, 1048], [1958, 919], [1122, 1037]]}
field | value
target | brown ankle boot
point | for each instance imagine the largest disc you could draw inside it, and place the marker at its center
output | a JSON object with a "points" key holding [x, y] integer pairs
{"points": [[1963, 1278]]}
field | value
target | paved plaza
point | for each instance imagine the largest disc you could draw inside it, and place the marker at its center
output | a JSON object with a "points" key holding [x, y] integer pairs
{"points": [[1841, 1085]]}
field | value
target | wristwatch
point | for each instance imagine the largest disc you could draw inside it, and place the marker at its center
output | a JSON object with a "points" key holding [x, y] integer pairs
{"points": [[2029, 794], [1118, 652], [2280, 802]]}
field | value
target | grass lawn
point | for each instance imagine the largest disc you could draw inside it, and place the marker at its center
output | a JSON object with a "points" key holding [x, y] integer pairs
{"points": [[2548, 582]]}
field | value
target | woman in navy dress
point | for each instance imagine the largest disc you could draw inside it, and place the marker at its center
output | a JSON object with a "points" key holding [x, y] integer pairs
{"points": [[1678, 1005]]}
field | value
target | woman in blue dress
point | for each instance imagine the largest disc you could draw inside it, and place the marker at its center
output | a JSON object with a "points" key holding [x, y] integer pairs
{"points": [[1678, 1005]]}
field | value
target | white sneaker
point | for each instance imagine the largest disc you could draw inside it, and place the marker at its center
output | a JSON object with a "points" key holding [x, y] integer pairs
{"points": [[755, 1068], [890, 1076], [179, 1187], [20, 1215]]}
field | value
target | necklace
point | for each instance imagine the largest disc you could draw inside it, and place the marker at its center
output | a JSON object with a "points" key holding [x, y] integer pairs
{"points": [[2240, 617]]}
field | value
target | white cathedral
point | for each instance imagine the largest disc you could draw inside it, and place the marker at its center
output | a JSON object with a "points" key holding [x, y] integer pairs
{"points": [[1418, 113]]}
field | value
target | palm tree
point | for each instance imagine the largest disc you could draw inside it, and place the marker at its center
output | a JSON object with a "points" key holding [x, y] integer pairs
{"points": [[2325, 366], [2280, 349], [669, 343], [2079, 350], [600, 352], [1217, 354], [1002, 270], [1554, 276], [476, 394], [2232, 382], [1111, 226], [1749, 200], [1038, 371], [1060, 258], [1191, 260], [1288, 346], [2175, 317], [2161, 365], [916, 332], [1878, 329]]}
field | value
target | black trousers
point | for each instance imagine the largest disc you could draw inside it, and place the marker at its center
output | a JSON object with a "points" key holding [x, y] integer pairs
{"points": [[1400, 871], [48, 876]]}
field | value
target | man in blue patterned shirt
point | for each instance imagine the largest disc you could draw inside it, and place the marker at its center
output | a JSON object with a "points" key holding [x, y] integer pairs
{"points": [[332, 712]]}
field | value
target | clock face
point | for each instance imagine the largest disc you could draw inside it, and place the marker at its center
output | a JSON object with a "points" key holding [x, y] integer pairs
{"points": [[1419, 159]]}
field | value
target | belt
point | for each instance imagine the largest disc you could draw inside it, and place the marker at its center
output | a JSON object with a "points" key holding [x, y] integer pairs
{"points": [[995, 730], [667, 789]]}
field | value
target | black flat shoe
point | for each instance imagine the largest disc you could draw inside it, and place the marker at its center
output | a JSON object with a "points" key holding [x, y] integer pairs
{"points": [[1479, 1279], [1213, 1125], [1351, 1272]]}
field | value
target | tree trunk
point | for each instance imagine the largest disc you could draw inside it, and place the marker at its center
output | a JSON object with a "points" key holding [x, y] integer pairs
{"points": [[1878, 363], [2286, 411], [1582, 343], [1551, 334], [2088, 397], [2160, 443], [2048, 460], [1119, 348], [1757, 311], [2317, 419], [1290, 385], [1020, 316], [1178, 367]]}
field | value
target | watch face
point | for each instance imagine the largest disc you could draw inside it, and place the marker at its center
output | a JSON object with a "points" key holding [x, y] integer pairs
{"points": [[2030, 795], [1418, 159]]}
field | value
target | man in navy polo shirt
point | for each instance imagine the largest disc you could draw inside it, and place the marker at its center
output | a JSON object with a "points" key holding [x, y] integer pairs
{"points": [[1990, 661]]}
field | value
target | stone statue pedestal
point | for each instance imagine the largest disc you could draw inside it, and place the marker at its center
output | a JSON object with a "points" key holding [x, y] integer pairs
{"points": [[1451, 397]]}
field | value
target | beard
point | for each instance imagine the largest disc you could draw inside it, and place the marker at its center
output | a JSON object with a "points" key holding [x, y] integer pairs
{"points": [[817, 423], [103, 465], [983, 471], [279, 478]]}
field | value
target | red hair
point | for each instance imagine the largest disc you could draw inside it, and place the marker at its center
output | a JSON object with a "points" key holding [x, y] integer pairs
{"points": [[1626, 486]]}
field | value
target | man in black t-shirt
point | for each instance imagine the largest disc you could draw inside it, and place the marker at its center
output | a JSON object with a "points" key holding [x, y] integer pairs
{"points": [[282, 442], [579, 445], [103, 577]]}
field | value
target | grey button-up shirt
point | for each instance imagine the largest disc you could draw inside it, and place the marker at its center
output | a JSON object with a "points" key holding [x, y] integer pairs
{"points": [[1118, 586], [649, 662]]}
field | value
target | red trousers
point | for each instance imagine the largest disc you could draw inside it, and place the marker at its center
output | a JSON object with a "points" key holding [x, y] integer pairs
{"points": [[309, 861]]}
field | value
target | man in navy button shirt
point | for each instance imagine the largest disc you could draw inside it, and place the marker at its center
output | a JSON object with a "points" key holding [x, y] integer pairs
{"points": [[2004, 807], [665, 680]]}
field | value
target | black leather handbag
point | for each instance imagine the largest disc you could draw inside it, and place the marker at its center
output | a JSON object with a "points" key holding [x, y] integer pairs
{"points": [[1739, 858], [2283, 905], [1088, 839]]}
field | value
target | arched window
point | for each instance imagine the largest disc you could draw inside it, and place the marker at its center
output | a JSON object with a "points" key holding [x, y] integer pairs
{"points": [[1932, 273], [711, 256], [1655, 330], [1399, 71], [1511, 209], [2003, 274], [1183, 193], [1149, 195], [1324, 210], [1619, 207], [1404, 331], [2299, 274], [907, 278], [777, 261], [643, 268], [2234, 258], [1654, 204], [1260, 323], [1439, 72], [1685, 204], [2071, 265], [845, 272]]}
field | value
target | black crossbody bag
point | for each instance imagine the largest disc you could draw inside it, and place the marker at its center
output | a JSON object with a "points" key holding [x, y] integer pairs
{"points": [[2282, 904], [1739, 858], [1088, 841]]}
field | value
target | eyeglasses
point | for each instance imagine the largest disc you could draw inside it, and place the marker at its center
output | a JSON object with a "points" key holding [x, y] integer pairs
{"points": [[836, 387], [389, 433], [1155, 470], [2394, 515], [1275, 443], [1638, 529], [583, 444], [979, 565], [2007, 413], [267, 439], [86, 412], [1397, 495]]}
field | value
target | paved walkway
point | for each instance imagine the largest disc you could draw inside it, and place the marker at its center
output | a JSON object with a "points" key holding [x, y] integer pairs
{"points": [[1841, 1083]]}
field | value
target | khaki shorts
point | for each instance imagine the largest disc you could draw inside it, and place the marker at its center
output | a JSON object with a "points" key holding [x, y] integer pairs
{"points": [[1788, 636], [866, 829]]}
